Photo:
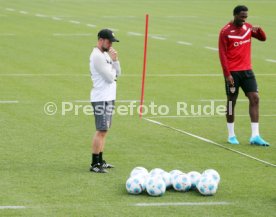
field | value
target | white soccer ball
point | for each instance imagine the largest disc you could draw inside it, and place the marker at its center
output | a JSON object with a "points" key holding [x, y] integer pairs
{"points": [[213, 173], [167, 179], [135, 184], [139, 170], [156, 172], [207, 185], [155, 186], [181, 182], [142, 179], [194, 177], [174, 173]]}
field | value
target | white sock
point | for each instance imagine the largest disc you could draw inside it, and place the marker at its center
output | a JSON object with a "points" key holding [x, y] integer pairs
{"points": [[255, 129], [230, 127]]}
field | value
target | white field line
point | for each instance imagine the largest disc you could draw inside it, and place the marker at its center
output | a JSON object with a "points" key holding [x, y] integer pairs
{"points": [[187, 75], [173, 75], [210, 141], [41, 15], [135, 34], [158, 37], [91, 25], [56, 18], [183, 204], [211, 48], [71, 34], [9, 101], [266, 74], [130, 33], [74, 21], [271, 60], [23, 12], [12, 207], [76, 101], [65, 16], [7, 34], [44, 75], [128, 100], [10, 9], [184, 43], [123, 75]]}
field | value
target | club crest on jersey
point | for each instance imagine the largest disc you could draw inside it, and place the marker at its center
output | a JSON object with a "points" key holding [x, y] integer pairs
{"points": [[244, 27]]}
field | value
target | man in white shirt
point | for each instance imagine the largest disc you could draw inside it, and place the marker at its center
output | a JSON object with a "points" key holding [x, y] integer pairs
{"points": [[105, 69]]}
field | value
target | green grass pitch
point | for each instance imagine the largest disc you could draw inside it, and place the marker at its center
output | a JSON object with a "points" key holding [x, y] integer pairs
{"points": [[44, 52]]}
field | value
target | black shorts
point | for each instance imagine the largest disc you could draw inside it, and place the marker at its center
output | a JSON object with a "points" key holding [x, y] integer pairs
{"points": [[103, 114], [244, 79]]}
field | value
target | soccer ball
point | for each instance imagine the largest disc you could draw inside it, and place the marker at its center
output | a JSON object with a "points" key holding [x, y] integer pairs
{"points": [[155, 186], [135, 184], [139, 170], [207, 185], [142, 179], [174, 173], [213, 173], [181, 182], [167, 179], [156, 171], [194, 177]]}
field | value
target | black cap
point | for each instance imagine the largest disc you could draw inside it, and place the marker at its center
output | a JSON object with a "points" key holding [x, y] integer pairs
{"points": [[107, 34]]}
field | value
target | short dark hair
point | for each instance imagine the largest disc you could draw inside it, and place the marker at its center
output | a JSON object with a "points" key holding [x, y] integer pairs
{"points": [[239, 8]]}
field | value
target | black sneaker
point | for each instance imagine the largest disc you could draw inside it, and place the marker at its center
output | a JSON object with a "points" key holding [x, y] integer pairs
{"points": [[106, 165], [97, 168]]}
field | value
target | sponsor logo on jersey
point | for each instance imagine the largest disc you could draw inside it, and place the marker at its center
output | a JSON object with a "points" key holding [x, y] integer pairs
{"points": [[238, 43]]}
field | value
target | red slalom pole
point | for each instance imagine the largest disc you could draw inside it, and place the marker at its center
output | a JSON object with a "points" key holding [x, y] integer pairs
{"points": [[144, 66]]}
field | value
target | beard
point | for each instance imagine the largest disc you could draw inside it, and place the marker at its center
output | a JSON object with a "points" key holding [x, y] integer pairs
{"points": [[105, 49], [240, 22]]}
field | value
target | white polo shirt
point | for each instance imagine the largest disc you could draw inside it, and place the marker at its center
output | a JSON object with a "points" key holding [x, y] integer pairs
{"points": [[104, 72]]}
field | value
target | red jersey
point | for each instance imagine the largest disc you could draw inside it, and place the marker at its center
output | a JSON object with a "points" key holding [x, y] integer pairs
{"points": [[235, 47]]}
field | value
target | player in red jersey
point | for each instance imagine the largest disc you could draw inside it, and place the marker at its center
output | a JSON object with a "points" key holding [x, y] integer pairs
{"points": [[235, 57]]}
